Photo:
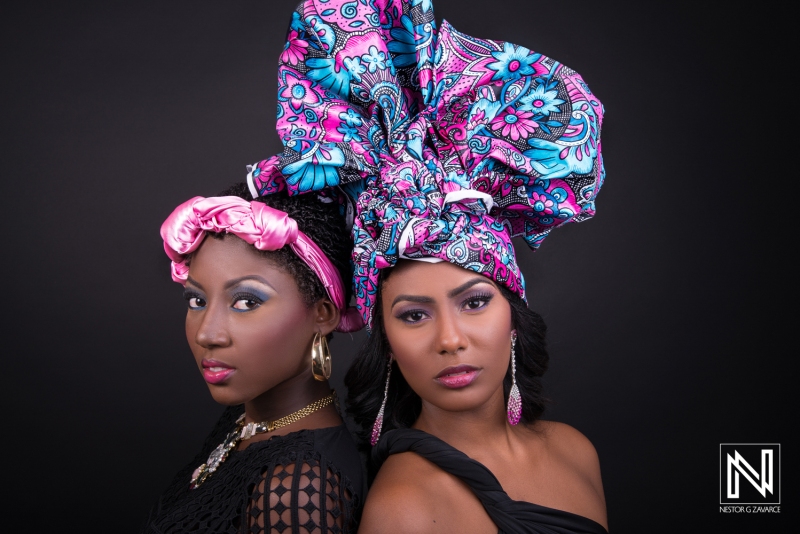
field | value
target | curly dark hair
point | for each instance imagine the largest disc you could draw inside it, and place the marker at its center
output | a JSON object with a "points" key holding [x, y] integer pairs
{"points": [[320, 221], [365, 380]]}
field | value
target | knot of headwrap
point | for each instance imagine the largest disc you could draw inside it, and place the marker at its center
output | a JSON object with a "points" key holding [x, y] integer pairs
{"points": [[258, 224], [451, 144], [405, 215]]}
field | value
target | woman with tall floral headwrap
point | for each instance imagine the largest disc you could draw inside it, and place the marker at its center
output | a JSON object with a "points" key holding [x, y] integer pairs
{"points": [[451, 146]]}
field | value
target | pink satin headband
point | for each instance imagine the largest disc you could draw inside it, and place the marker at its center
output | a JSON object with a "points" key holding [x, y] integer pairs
{"points": [[256, 223]]}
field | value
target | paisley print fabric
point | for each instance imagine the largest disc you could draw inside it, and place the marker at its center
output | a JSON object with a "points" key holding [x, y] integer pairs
{"points": [[449, 145]]}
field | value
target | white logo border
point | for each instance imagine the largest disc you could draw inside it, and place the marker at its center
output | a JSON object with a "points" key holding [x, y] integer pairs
{"points": [[780, 477]]}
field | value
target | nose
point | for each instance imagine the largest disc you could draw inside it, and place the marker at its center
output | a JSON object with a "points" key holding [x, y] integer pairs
{"points": [[451, 336], [212, 330]]}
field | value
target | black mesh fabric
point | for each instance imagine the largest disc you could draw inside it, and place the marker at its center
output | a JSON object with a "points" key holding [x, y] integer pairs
{"points": [[309, 481]]}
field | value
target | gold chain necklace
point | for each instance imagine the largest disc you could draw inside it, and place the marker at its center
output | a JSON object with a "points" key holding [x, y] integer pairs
{"points": [[247, 431]]}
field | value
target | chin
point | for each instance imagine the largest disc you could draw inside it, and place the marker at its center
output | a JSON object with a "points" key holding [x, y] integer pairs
{"points": [[460, 401], [226, 396]]}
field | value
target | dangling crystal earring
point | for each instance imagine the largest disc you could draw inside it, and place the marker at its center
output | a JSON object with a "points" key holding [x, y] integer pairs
{"points": [[376, 428], [514, 398]]}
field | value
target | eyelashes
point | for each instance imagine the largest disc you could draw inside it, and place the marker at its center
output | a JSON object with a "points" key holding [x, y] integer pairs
{"points": [[247, 301], [472, 303], [194, 300], [411, 316], [479, 300], [240, 301]]}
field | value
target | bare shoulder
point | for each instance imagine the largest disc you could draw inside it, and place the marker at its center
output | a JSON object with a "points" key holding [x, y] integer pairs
{"points": [[570, 448], [411, 494], [398, 500], [568, 443], [403, 471]]}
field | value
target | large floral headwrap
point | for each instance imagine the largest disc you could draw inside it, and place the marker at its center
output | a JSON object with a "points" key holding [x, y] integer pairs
{"points": [[452, 145]]}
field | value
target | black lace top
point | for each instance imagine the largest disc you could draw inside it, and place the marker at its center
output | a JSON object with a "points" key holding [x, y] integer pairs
{"points": [[306, 481], [511, 517]]}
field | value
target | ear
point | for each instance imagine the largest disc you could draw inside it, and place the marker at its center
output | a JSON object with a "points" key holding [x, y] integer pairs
{"points": [[326, 316]]}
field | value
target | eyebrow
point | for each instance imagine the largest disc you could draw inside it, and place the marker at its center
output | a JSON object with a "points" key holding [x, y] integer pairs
{"points": [[412, 298], [233, 282], [463, 287], [255, 277], [194, 282], [452, 293]]}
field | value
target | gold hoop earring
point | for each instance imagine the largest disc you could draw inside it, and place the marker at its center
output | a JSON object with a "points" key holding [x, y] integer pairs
{"points": [[320, 358]]}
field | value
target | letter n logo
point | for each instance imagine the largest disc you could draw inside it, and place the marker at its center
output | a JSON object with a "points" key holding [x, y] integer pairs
{"points": [[749, 473]]}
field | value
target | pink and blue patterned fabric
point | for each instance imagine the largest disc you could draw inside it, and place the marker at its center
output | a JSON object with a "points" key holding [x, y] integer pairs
{"points": [[452, 145]]}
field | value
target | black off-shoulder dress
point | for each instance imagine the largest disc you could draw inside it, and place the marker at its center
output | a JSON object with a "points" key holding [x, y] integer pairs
{"points": [[511, 517], [309, 481]]}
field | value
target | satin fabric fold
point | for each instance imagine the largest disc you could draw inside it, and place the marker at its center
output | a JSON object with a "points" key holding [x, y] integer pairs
{"points": [[258, 224]]}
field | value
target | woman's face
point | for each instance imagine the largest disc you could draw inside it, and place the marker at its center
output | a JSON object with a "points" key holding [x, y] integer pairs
{"points": [[449, 330], [247, 324]]}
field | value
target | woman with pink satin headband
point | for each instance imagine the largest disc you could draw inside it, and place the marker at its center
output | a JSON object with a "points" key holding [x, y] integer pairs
{"points": [[261, 226], [264, 281]]}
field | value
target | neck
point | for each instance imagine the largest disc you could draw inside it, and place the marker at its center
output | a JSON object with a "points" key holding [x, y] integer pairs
{"points": [[286, 398], [469, 431]]}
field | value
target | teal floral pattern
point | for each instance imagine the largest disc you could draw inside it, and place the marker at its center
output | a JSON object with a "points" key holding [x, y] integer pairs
{"points": [[440, 145]]}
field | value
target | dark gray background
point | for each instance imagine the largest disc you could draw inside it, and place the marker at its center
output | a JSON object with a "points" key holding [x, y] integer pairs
{"points": [[669, 313]]}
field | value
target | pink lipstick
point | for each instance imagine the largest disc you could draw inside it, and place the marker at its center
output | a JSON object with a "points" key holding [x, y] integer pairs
{"points": [[216, 372], [457, 376]]}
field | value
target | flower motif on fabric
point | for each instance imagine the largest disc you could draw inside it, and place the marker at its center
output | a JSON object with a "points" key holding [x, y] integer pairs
{"points": [[546, 201], [515, 124], [317, 167], [298, 91], [355, 67], [513, 62], [294, 50], [328, 74], [349, 133], [352, 118], [375, 59], [541, 204], [541, 101]]}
